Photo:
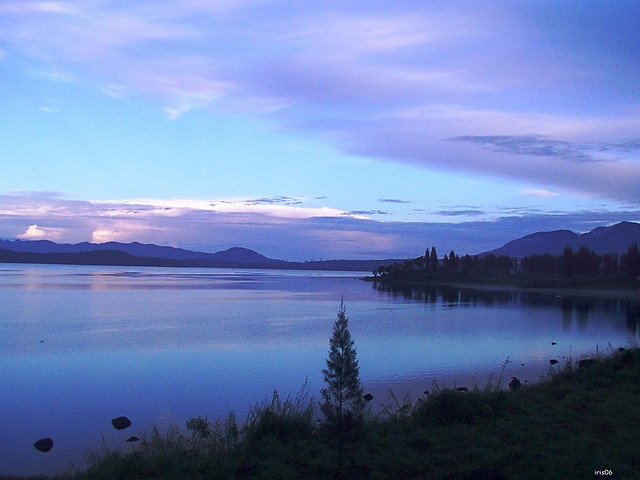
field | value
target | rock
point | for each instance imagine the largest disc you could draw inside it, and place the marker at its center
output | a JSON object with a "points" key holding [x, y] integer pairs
{"points": [[515, 383], [462, 389], [133, 438], [553, 343], [426, 392], [553, 361], [120, 423], [44, 444], [368, 397]]}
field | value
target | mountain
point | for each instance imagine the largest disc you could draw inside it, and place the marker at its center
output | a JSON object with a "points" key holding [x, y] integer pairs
{"points": [[234, 255], [138, 254], [240, 255], [613, 239]]}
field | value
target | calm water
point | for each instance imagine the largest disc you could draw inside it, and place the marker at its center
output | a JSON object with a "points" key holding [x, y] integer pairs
{"points": [[81, 345]]}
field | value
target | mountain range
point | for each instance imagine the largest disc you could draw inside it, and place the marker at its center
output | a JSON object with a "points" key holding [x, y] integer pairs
{"points": [[139, 254], [612, 239]]}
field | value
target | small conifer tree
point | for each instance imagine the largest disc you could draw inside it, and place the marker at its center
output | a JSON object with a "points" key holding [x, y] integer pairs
{"points": [[343, 402]]}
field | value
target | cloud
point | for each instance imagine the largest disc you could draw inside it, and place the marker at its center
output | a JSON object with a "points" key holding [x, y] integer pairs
{"points": [[461, 213], [504, 91], [368, 213], [539, 192], [538, 145], [393, 200], [31, 7], [49, 109], [292, 238], [56, 76], [277, 200], [33, 233]]}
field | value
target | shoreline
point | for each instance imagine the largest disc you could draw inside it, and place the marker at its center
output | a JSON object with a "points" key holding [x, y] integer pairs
{"points": [[481, 428]]}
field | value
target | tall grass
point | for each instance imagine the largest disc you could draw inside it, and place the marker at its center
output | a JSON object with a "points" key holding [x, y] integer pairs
{"points": [[583, 417]]}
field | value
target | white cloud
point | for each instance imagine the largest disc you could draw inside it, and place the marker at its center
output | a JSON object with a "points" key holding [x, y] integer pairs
{"points": [[33, 233], [540, 192], [103, 236], [197, 225], [21, 7], [168, 207], [55, 76]]}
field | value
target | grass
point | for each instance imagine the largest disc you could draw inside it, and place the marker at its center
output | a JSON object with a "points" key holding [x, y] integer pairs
{"points": [[577, 421]]}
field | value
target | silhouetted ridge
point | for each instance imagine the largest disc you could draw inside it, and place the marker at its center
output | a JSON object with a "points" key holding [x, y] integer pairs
{"points": [[613, 239]]}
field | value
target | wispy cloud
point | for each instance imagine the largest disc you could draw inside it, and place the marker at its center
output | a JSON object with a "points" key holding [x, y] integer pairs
{"points": [[277, 200], [541, 146], [461, 213], [368, 213], [539, 192], [55, 76], [49, 109], [393, 200], [37, 7], [518, 91]]}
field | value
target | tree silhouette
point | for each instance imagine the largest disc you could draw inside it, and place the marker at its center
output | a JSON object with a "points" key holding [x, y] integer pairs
{"points": [[343, 402], [433, 259]]}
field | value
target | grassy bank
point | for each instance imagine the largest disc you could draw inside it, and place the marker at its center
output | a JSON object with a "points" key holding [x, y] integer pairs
{"points": [[581, 420]]}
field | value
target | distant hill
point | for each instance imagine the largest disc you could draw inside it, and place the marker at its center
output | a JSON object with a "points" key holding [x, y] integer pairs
{"points": [[613, 239], [137, 249], [138, 254], [241, 255]]}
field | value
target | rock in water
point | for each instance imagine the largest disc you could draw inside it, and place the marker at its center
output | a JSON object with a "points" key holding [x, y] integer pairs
{"points": [[368, 397], [132, 439], [120, 423], [44, 444]]}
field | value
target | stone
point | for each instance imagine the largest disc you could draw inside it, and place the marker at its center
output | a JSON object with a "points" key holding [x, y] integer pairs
{"points": [[44, 444], [120, 423]]}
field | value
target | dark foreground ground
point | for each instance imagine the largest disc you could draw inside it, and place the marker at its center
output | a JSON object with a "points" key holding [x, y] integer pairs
{"points": [[582, 422]]}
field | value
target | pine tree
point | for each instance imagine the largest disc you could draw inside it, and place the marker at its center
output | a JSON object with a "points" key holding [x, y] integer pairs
{"points": [[343, 404], [433, 259], [343, 397]]}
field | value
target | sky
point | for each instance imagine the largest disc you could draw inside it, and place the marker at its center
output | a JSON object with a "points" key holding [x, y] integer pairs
{"points": [[317, 130]]}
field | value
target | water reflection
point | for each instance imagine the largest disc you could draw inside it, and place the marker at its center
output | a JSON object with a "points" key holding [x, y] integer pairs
{"points": [[570, 306], [162, 345]]}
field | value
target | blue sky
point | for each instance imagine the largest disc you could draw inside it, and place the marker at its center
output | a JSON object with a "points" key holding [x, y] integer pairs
{"points": [[308, 130]]}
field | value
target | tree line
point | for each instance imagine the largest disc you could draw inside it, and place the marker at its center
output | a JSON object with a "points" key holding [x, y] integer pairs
{"points": [[581, 262]]}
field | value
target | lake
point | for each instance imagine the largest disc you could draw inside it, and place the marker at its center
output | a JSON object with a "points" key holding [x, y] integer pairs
{"points": [[81, 345]]}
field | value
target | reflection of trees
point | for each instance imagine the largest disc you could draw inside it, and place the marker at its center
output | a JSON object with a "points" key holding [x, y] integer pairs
{"points": [[465, 297], [567, 312], [451, 296], [633, 320]]}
